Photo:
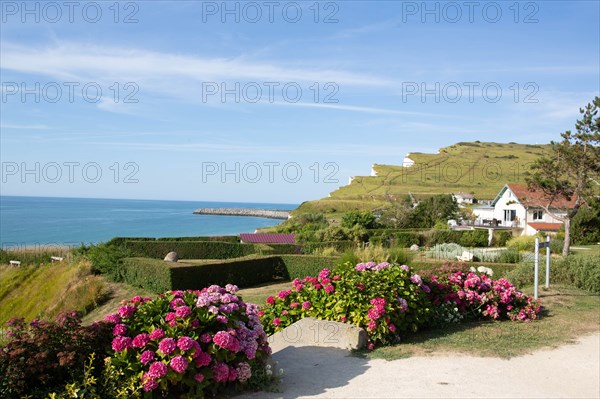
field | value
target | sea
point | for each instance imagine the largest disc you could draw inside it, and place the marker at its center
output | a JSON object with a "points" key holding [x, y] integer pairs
{"points": [[46, 221]]}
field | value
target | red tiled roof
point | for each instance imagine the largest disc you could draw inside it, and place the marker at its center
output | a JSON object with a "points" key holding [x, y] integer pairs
{"points": [[537, 198], [262, 238], [545, 226]]}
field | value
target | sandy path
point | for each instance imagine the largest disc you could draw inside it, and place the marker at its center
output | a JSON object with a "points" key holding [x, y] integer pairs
{"points": [[571, 371]]}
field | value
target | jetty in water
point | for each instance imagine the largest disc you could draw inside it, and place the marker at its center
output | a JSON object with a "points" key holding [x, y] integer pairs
{"points": [[260, 213]]}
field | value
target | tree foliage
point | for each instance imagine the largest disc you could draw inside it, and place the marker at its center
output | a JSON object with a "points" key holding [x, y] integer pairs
{"points": [[572, 170], [439, 208]]}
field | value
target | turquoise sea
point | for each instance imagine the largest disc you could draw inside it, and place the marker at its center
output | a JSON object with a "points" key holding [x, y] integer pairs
{"points": [[33, 221]]}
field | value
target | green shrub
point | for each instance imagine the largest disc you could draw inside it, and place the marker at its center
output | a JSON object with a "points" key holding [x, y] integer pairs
{"points": [[384, 301], [579, 270], [474, 238], [190, 249], [108, 259], [500, 238], [522, 243], [509, 256], [340, 246], [43, 355], [347, 258], [400, 256]]}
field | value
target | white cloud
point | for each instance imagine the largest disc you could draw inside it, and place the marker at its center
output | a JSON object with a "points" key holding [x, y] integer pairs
{"points": [[81, 61]]}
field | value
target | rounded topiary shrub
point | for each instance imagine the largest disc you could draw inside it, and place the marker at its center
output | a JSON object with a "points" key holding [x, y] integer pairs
{"points": [[385, 299], [190, 342]]}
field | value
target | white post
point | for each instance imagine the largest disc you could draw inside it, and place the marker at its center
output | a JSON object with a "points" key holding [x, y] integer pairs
{"points": [[536, 257], [547, 261]]}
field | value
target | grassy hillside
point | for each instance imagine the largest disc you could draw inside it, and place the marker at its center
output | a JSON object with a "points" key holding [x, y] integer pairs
{"points": [[45, 291], [478, 168]]}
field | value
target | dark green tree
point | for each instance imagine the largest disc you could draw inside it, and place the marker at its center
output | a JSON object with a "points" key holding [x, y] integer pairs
{"points": [[364, 219], [439, 208], [571, 171]]}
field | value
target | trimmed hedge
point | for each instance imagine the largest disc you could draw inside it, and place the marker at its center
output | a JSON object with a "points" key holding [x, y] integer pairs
{"points": [[243, 273], [300, 266], [123, 240], [190, 249], [151, 274], [341, 246], [158, 276]]}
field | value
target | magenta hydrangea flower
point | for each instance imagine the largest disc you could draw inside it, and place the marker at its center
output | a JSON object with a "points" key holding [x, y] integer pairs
{"points": [[202, 359], [233, 375], [199, 377], [113, 318], [185, 343], [167, 346], [222, 319], [294, 305], [177, 302], [306, 305], [157, 334], [226, 341], [119, 329], [323, 274], [276, 321], [405, 268], [126, 311], [329, 289], [271, 300], [170, 316], [150, 384], [158, 370], [140, 340], [146, 357], [284, 293], [220, 372], [206, 338], [182, 311], [119, 344], [179, 364]]}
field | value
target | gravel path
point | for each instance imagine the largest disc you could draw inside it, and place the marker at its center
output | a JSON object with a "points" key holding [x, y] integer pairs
{"points": [[570, 371]]}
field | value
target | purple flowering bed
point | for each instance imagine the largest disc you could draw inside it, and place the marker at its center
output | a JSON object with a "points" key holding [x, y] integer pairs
{"points": [[189, 341]]}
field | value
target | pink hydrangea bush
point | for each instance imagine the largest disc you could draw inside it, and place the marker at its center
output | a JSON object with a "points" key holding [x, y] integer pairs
{"points": [[477, 296], [189, 341], [387, 300]]}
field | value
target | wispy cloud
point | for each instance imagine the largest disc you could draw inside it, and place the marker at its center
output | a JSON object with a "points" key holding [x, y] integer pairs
{"points": [[83, 61], [27, 127]]}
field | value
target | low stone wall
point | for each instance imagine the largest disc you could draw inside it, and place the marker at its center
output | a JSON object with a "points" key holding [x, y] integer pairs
{"points": [[262, 213], [324, 333]]}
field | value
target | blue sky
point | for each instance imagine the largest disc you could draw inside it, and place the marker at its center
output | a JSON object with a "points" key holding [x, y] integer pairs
{"points": [[315, 92]]}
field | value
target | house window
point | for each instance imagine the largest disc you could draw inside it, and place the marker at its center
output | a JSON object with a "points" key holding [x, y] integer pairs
{"points": [[538, 215], [510, 215]]}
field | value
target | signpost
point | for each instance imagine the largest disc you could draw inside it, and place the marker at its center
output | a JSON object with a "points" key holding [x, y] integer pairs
{"points": [[536, 258]]}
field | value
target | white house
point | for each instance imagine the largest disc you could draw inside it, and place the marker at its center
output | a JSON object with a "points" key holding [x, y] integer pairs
{"points": [[464, 198], [517, 207]]}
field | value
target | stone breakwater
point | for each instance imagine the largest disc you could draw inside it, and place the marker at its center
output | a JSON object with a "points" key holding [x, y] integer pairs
{"points": [[260, 213]]}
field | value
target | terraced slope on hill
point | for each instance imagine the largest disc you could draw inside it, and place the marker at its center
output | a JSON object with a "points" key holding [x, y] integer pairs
{"points": [[479, 168]]}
